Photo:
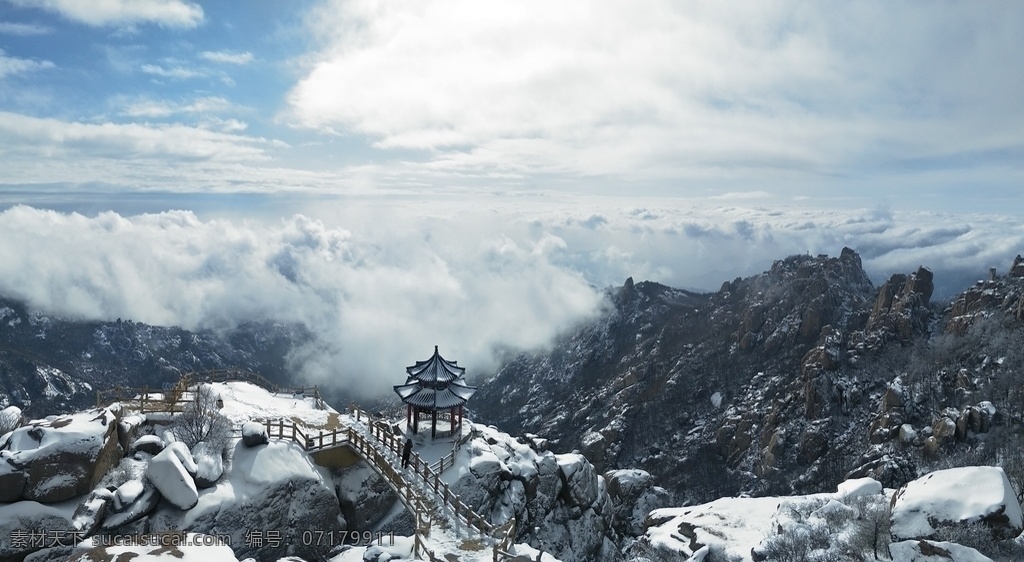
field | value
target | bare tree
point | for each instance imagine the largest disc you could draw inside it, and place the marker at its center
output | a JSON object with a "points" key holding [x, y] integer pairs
{"points": [[201, 420]]}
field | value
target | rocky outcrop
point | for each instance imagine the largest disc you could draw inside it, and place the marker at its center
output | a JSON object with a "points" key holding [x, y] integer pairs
{"points": [[560, 503], [634, 495], [957, 496], [275, 489], [55, 460]]}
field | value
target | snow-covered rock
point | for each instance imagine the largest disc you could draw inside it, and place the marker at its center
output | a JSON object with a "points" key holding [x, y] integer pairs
{"points": [[560, 504], [931, 551], [90, 513], [956, 495], [120, 514], [254, 433], [209, 464], [151, 444], [364, 495], [171, 472], [55, 460], [17, 519], [275, 488], [634, 495], [856, 487], [579, 478]]}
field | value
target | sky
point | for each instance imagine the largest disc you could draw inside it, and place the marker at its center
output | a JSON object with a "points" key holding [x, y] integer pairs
{"points": [[473, 174]]}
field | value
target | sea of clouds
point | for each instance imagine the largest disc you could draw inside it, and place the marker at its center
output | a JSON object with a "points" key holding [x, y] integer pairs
{"points": [[380, 284]]}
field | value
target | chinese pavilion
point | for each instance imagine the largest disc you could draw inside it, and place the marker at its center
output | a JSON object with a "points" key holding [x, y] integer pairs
{"points": [[434, 387]]}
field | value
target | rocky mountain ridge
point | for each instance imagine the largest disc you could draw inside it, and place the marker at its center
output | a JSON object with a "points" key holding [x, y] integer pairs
{"points": [[52, 365], [784, 382]]}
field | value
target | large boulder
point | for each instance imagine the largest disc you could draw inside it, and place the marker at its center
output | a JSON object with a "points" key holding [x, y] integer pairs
{"points": [[172, 472], [24, 526], [132, 501], [956, 496], [634, 495], [365, 496], [254, 434], [273, 493], [56, 460], [579, 479], [209, 464], [89, 514]]}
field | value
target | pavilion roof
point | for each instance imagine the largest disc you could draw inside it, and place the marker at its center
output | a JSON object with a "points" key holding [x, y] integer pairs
{"points": [[416, 393], [437, 369]]}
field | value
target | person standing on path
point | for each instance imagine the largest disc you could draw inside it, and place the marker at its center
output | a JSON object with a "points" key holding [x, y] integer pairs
{"points": [[406, 452]]}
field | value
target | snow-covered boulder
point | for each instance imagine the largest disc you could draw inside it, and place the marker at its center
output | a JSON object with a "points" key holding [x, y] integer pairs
{"points": [[579, 478], [17, 519], [365, 496], [55, 460], [209, 464], [254, 433], [931, 551], [122, 512], [89, 514], [275, 488], [634, 495], [954, 496], [172, 472], [151, 444], [857, 487]]}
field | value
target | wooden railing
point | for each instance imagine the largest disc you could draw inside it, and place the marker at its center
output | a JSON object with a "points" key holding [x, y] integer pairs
{"points": [[428, 477], [408, 495], [145, 399], [177, 397]]}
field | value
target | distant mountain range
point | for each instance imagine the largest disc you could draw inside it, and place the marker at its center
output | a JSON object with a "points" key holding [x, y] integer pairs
{"points": [[50, 365], [783, 382]]}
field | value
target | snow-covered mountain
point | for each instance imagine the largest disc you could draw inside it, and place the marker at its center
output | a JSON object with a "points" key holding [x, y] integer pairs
{"points": [[53, 365]]}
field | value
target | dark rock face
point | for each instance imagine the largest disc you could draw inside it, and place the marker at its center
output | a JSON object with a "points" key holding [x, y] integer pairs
{"points": [[779, 383], [51, 365]]}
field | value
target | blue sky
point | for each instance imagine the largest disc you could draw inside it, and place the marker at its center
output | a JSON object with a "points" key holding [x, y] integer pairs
{"points": [[356, 164], [821, 102]]}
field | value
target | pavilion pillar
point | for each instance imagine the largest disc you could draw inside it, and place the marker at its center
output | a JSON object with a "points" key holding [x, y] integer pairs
{"points": [[415, 420], [408, 415], [433, 423], [451, 418]]}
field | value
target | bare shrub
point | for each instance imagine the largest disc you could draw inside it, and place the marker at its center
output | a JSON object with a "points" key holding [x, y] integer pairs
{"points": [[202, 421]]}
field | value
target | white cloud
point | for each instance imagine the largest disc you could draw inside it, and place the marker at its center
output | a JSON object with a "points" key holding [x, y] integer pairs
{"points": [[172, 13], [24, 29], [227, 57], [374, 304], [660, 89], [14, 65], [149, 108], [468, 276], [177, 72]]}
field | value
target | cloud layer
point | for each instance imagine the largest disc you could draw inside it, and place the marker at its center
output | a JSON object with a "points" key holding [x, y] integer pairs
{"points": [[468, 278], [660, 89]]}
